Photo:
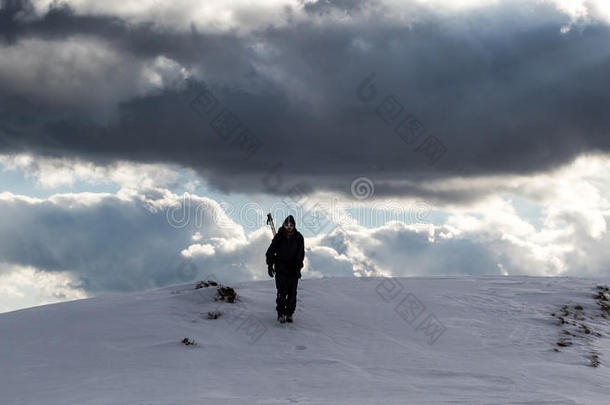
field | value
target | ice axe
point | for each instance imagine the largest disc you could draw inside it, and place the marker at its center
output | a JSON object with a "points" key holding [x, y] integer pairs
{"points": [[270, 223]]}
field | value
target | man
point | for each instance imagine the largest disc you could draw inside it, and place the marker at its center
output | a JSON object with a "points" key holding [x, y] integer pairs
{"points": [[286, 252]]}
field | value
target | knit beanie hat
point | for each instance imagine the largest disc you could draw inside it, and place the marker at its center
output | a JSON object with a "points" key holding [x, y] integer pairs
{"points": [[289, 219]]}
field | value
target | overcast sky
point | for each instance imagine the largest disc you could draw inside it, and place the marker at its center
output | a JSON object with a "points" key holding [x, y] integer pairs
{"points": [[143, 142]]}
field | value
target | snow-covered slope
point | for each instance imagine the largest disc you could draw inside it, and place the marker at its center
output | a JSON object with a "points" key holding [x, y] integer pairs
{"points": [[354, 341]]}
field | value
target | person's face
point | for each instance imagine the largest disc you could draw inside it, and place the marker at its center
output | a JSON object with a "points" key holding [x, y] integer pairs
{"points": [[289, 227]]}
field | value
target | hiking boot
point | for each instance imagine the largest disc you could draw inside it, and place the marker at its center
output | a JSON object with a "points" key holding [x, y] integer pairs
{"points": [[281, 318], [288, 318]]}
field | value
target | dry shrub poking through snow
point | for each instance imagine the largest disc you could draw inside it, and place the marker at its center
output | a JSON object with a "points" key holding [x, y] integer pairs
{"points": [[188, 341], [203, 284], [223, 293]]}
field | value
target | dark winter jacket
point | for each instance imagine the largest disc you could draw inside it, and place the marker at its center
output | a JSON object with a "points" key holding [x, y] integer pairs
{"points": [[286, 252]]}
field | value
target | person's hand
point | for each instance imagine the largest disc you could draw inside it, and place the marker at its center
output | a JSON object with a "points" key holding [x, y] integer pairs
{"points": [[270, 270], [298, 273]]}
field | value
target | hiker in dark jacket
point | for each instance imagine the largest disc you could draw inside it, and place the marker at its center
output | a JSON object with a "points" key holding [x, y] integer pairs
{"points": [[286, 253]]}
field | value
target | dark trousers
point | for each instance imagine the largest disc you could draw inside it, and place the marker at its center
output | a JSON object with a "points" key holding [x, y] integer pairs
{"points": [[286, 300]]}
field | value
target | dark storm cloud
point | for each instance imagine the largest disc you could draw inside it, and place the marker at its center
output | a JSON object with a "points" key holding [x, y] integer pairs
{"points": [[499, 91], [18, 21], [327, 6]]}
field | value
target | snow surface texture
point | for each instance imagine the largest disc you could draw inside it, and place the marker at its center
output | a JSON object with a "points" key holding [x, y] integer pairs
{"points": [[437, 340]]}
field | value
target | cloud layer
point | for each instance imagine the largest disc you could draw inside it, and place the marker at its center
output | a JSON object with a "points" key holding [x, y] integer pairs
{"points": [[91, 243], [511, 88]]}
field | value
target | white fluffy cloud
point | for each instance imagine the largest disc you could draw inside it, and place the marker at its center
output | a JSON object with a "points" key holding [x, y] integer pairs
{"points": [[207, 16], [110, 242], [244, 16], [88, 243], [49, 173], [22, 287]]}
